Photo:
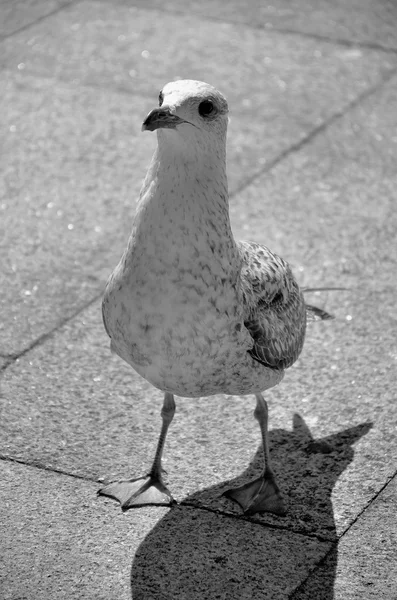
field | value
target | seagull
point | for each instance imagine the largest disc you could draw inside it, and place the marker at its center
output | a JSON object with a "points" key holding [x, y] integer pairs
{"points": [[192, 310]]}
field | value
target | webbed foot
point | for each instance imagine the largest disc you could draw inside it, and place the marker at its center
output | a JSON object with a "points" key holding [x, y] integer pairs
{"points": [[138, 492], [260, 495]]}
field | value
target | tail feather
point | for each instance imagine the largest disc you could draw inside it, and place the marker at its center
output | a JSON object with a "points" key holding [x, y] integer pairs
{"points": [[313, 313], [324, 289]]}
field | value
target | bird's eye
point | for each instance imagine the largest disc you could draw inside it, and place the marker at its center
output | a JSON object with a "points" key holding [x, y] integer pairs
{"points": [[205, 108], [161, 98]]}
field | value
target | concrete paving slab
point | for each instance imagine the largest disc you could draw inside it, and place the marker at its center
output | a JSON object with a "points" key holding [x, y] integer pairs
{"points": [[360, 21], [309, 198], [61, 542], [69, 405], [140, 50], [16, 14], [69, 167], [211, 556], [365, 557], [58, 541]]}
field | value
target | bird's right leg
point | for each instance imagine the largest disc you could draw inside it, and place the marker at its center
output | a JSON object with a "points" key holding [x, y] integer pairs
{"points": [[150, 489], [262, 494]]}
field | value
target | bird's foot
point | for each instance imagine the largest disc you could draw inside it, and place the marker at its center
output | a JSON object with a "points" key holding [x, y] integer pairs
{"points": [[260, 495], [138, 492]]}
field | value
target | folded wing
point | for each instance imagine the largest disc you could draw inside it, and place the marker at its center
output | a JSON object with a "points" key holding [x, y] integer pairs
{"points": [[275, 311]]}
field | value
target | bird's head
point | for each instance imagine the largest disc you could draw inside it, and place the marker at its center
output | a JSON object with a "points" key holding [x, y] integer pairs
{"points": [[189, 111]]}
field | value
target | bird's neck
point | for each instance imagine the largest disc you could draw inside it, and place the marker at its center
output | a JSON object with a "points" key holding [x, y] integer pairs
{"points": [[185, 193]]}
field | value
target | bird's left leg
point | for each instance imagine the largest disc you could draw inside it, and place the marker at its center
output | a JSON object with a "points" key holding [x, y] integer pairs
{"points": [[149, 489], [262, 494]]}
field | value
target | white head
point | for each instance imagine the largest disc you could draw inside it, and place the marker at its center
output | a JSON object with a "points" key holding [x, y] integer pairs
{"points": [[191, 114]]}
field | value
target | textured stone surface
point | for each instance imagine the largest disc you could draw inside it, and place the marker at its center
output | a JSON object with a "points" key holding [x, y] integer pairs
{"points": [[365, 557], [73, 162], [199, 554], [75, 87], [353, 21], [61, 541], [286, 84], [360, 21], [17, 14], [138, 50]]}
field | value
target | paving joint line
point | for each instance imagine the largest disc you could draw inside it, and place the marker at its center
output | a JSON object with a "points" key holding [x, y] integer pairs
{"points": [[318, 566], [369, 504], [183, 503], [48, 334], [5, 36], [91, 85], [258, 26], [297, 146], [255, 521], [336, 542], [42, 467], [337, 41]]}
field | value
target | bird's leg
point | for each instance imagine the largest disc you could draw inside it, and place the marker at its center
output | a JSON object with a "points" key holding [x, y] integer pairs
{"points": [[262, 494], [149, 489], [167, 414]]}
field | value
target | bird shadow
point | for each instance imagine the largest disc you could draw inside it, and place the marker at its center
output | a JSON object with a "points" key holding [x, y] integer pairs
{"points": [[205, 548]]}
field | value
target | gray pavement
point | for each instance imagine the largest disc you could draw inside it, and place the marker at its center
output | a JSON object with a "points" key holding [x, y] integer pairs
{"points": [[312, 154]]}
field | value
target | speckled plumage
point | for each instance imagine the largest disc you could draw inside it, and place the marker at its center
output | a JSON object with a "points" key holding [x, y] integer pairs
{"points": [[192, 310], [276, 311]]}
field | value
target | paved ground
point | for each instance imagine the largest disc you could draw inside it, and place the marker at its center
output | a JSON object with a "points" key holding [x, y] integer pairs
{"points": [[312, 151]]}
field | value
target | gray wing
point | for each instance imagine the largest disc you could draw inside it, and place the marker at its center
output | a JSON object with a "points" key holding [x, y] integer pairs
{"points": [[275, 311]]}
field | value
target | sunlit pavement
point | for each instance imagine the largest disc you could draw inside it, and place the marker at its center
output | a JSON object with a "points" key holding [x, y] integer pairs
{"points": [[312, 154]]}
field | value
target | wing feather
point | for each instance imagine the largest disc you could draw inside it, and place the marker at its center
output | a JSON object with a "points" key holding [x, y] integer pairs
{"points": [[275, 311]]}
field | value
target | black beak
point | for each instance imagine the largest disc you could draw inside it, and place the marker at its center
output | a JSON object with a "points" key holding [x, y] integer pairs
{"points": [[161, 118]]}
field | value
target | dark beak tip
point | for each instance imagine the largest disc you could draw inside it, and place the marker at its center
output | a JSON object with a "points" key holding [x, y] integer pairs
{"points": [[149, 123], [147, 126], [160, 118]]}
